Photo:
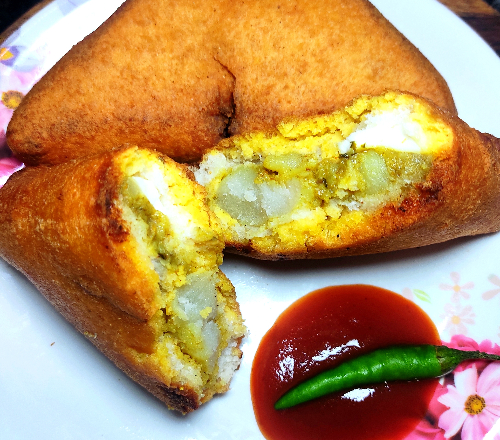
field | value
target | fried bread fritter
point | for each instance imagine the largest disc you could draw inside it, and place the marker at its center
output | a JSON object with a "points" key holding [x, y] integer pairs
{"points": [[180, 76], [124, 247]]}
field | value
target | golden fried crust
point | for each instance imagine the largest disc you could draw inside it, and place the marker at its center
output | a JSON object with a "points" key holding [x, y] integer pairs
{"points": [[147, 77], [43, 207], [179, 76], [460, 197], [313, 57], [116, 334], [60, 229]]}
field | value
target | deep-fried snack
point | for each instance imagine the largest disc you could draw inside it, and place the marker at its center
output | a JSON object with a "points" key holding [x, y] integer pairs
{"points": [[179, 76], [124, 247], [385, 173]]}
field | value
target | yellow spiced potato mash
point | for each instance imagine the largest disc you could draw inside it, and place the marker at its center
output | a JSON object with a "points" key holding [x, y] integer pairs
{"points": [[353, 181], [124, 247]]}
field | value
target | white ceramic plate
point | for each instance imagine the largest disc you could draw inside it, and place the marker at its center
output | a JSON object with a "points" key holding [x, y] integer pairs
{"points": [[55, 385]]}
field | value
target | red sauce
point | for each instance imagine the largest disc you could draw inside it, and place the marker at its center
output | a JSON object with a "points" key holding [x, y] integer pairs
{"points": [[348, 321]]}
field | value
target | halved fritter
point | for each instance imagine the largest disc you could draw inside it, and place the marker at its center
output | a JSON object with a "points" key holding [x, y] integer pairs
{"points": [[385, 173], [124, 247]]}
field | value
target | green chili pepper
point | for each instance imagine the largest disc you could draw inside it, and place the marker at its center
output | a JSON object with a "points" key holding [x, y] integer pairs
{"points": [[387, 364]]}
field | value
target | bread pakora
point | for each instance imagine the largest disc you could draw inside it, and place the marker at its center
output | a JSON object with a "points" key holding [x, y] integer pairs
{"points": [[180, 76], [124, 247], [385, 173]]}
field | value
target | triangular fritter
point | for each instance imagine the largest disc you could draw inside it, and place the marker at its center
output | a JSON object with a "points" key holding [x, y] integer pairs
{"points": [[178, 76]]}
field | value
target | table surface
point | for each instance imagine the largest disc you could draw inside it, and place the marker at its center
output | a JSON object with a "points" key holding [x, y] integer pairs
{"points": [[479, 15], [482, 17]]}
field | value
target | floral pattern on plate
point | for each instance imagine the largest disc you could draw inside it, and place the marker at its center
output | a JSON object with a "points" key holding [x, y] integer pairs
{"points": [[466, 403], [18, 74], [24, 59]]}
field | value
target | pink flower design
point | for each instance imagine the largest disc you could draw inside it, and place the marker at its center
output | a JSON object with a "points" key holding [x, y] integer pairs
{"points": [[19, 71], [474, 404], [14, 84], [8, 165], [457, 290], [457, 318], [16, 80], [491, 293], [5, 115], [431, 427], [13, 87]]}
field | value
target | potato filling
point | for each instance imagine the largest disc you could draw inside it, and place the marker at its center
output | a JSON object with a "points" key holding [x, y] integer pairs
{"points": [[256, 193], [185, 256], [315, 173]]}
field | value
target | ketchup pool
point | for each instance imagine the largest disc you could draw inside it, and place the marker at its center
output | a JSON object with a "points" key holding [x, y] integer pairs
{"points": [[323, 329]]}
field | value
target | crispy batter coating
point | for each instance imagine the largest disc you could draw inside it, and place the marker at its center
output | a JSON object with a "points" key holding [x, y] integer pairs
{"points": [[386, 173], [180, 76], [100, 239]]}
